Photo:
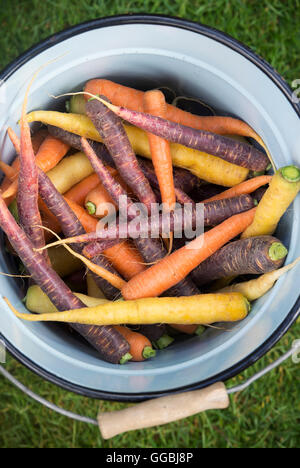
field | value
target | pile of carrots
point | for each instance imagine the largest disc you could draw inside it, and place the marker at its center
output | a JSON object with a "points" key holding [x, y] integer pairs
{"points": [[131, 295]]}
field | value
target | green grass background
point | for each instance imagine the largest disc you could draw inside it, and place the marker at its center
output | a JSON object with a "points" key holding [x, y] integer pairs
{"points": [[268, 413]]}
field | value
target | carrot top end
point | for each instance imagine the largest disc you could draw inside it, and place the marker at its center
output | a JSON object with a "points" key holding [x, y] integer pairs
{"points": [[91, 207], [290, 173], [277, 251]]}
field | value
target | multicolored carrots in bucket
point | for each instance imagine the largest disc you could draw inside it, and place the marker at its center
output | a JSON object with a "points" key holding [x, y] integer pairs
{"points": [[146, 291]]}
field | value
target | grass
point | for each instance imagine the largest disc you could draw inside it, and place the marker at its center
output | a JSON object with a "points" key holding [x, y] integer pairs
{"points": [[267, 414]]}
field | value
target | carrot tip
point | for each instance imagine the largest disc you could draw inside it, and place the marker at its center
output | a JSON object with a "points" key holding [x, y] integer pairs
{"points": [[148, 352], [127, 357], [290, 173], [277, 251], [91, 207]]}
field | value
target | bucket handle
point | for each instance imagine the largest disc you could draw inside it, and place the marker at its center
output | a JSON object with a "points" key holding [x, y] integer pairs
{"points": [[159, 410]]}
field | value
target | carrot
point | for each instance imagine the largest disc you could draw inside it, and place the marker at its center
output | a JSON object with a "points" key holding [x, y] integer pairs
{"points": [[133, 99], [203, 165], [27, 197], [153, 331], [99, 203], [151, 249], [258, 287], [172, 269], [48, 219], [282, 191], [9, 171], [62, 262], [115, 139], [70, 171], [75, 142], [140, 346], [36, 141], [123, 256], [213, 214], [202, 309], [50, 152], [246, 256], [154, 103], [183, 178], [106, 340], [205, 191], [79, 191], [248, 186], [70, 225], [37, 301], [233, 151]]}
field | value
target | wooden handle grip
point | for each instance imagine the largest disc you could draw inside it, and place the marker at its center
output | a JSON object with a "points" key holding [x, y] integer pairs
{"points": [[162, 410]]}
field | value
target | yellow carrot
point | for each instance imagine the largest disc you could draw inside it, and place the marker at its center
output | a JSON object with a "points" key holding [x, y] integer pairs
{"points": [[201, 309], [70, 171], [257, 287], [203, 165], [63, 262], [92, 288], [283, 189], [37, 301]]}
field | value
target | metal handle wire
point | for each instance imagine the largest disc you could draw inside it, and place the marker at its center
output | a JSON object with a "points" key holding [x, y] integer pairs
{"points": [[84, 419]]}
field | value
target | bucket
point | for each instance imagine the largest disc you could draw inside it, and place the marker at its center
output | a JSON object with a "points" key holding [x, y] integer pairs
{"points": [[145, 52]]}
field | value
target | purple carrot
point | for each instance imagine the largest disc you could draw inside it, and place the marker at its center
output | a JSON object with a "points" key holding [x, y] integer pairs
{"points": [[115, 139], [151, 249], [214, 213], [75, 142], [183, 179], [27, 196], [233, 151], [256, 255], [205, 191], [111, 346], [71, 226]]}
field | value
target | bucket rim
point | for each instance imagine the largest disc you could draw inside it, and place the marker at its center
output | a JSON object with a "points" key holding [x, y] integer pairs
{"points": [[278, 80]]}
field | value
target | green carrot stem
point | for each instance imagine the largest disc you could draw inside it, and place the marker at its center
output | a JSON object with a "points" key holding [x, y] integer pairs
{"points": [[148, 352], [164, 341], [200, 330], [91, 207], [127, 357]]}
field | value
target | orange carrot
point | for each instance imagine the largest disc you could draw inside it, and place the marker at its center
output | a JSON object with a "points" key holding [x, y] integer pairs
{"points": [[97, 200], [49, 220], [140, 346], [79, 191], [154, 103], [48, 156], [9, 171], [175, 267], [248, 186], [50, 153], [133, 99], [124, 257]]}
